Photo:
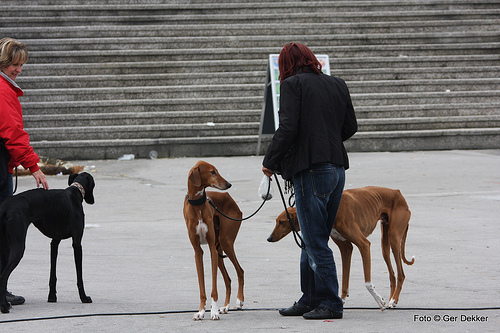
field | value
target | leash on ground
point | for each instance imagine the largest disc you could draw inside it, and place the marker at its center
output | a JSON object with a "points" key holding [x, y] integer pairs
{"points": [[152, 313]]}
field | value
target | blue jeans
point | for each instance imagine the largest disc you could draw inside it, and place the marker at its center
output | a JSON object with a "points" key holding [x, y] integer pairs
{"points": [[318, 191]]}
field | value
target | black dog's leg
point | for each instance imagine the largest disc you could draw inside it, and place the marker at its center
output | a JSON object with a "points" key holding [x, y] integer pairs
{"points": [[54, 250], [4, 305], [16, 254], [77, 248]]}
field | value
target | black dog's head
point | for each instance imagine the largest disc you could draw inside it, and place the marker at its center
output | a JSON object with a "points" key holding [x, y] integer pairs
{"points": [[87, 181]]}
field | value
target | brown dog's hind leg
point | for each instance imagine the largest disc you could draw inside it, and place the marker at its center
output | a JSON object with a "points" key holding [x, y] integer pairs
{"points": [[227, 282], [386, 252], [345, 248]]}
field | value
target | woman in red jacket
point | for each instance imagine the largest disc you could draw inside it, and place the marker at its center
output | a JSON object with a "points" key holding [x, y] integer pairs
{"points": [[15, 146]]}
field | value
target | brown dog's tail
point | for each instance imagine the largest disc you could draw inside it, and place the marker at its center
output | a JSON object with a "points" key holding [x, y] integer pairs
{"points": [[403, 247]]}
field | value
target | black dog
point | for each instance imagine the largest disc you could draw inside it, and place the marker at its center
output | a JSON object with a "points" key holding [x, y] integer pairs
{"points": [[58, 214]]}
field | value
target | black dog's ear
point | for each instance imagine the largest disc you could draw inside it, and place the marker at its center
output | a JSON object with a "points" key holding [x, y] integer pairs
{"points": [[89, 194], [89, 188], [71, 178]]}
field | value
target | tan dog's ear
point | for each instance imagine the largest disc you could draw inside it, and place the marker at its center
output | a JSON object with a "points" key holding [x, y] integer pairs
{"points": [[293, 216], [194, 176]]}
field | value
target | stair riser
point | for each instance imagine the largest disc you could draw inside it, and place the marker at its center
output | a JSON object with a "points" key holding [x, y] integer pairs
{"points": [[196, 31], [408, 55], [118, 133]]}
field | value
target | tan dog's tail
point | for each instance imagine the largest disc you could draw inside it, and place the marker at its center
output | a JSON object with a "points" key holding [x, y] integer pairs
{"points": [[403, 247]]}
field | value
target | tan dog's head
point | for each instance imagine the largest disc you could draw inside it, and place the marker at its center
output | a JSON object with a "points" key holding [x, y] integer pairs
{"points": [[204, 175], [283, 227]]}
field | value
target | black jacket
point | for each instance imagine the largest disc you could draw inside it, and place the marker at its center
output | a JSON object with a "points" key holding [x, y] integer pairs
{"points": [[315, 117]]}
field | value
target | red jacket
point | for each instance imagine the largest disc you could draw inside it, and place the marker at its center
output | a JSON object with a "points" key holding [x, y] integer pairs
{"points": [[12, 131]]}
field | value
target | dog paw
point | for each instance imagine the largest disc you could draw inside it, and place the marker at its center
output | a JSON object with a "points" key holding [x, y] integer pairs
{"points": [[239, 304], [199, 315], [391, 304], [224, 309], [214, 311], [215, 315], [52, 299], [86, 299]]}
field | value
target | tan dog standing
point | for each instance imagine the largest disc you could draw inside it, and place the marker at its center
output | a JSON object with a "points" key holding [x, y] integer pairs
{"points": [[206, 226], [359, 211]]}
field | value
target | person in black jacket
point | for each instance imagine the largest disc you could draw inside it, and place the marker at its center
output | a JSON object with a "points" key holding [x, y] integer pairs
{"points": [[315, 117]]}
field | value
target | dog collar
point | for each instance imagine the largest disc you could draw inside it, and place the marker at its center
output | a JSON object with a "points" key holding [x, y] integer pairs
{"points": [[79, 187], [198, 202]]}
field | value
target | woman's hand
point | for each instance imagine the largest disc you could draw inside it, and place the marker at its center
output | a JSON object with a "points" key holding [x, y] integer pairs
{"points": [[267, 172], [40, 179]]}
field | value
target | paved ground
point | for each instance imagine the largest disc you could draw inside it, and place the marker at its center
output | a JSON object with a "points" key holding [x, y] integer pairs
{"points": [[139, 265]]}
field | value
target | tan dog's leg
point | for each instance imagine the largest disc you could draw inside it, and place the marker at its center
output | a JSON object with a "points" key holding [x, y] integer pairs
{"points": [[386, 253], [227, 282], [227, 236], [356, 236], [346, 254], [397, 238], [198, 256], [229, 250], [214, 258]]}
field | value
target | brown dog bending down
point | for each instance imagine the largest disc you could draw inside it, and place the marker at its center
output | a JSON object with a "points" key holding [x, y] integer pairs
{"points": [[206, 226], [359, 211], [58, 214]]}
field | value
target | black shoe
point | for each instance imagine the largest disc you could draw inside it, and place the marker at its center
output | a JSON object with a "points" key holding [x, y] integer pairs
{"points": [[13, 299], [296, 309], [322, 313]]}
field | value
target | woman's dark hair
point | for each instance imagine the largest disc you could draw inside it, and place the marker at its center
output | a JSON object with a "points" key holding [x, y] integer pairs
{"points": [[294, 57]]}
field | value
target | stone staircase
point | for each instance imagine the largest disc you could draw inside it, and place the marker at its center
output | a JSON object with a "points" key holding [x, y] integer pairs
{"points": [[186, 78]]}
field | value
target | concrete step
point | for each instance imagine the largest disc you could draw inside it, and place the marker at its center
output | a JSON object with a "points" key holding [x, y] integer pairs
{"points": [[250, 102], [484, 138], [254, 77], [143, 131], [145, 80], [263, 18], [466, 97], [239, 8], [140, 105], [422, 73], [367, 116], [144, 93], [237, 90], [205, 42], [193, 30], [428, 123], [142, 118], [427, 110], [414, 51], [102, 132], [338, 65], [141, 148]]}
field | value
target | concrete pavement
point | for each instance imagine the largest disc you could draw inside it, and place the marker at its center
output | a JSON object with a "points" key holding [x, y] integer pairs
{"points": [[139, 265]]}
